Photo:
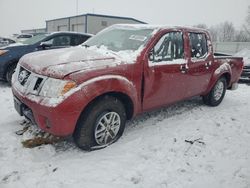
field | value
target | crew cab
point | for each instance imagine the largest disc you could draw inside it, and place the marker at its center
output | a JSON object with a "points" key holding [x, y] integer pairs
{"points": [[89, 91], [10, 55]]}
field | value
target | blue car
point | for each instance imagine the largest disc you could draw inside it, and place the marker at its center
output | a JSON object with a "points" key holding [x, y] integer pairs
{"points": [[10, 55]]}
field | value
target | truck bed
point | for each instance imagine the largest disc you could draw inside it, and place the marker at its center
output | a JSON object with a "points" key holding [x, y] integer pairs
{"points": [[236, 64]]}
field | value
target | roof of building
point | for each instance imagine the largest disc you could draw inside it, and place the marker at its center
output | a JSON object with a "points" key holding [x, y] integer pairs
{"points": [[100, 15]]}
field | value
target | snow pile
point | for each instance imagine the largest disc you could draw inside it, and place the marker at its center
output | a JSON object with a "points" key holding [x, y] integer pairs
{"points": [[245, 53], [187, 145]]}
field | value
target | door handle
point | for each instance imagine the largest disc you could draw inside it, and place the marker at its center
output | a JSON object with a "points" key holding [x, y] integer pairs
{"points": [[184, 68], [208, 64]]}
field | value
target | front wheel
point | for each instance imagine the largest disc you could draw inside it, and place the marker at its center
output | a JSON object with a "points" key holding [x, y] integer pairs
{"points": [[217, 93], [101, 124], [9, 73]]}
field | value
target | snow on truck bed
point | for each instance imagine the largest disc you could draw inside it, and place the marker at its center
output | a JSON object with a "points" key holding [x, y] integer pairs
{"points": [[152, 152]]}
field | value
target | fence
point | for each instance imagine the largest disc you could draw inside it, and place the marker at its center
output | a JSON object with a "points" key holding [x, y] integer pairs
{"points": [[230, 47]]}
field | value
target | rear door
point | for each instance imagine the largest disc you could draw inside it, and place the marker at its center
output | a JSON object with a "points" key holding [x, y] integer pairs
{"points": [[200, 63], [164, 82]]}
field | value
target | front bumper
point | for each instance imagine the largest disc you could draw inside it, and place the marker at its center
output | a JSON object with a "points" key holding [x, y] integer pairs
{"points": [[58, 120], [57, 116]]}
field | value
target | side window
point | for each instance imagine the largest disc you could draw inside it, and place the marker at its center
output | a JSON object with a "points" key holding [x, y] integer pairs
{"points": [[59, 41], [78, 39], [198, 45], [168, 48]]}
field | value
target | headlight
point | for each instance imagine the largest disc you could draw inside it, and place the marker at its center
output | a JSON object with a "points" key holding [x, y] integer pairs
{"points": [[3, 52], [54, 87]]}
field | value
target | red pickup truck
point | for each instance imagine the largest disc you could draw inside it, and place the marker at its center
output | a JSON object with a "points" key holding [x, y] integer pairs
{"points": [[89, 91]]}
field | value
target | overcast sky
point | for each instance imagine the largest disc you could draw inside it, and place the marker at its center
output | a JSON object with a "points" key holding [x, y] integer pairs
{"points": [[16, 15]]}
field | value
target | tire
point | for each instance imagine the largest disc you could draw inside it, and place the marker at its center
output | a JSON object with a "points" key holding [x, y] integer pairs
{"points": [[93, 131], [9, 73], [217, 93]]}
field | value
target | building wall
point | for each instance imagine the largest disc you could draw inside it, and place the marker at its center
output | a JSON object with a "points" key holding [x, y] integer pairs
{"points": [[77, 24], [58, 25], [97, 23], [41, 30], [86, 23]]}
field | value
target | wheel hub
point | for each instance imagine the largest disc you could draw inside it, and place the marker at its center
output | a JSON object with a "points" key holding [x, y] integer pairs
{"points": [[218, 90], [107, 128]]}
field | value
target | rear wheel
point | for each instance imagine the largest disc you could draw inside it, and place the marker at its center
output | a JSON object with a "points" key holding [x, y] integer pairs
{"points": [[217, 93], [9, 73], [101, 124]]}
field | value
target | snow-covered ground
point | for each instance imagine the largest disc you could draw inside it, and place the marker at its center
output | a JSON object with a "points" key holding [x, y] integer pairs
{"points": [[152, 152]]}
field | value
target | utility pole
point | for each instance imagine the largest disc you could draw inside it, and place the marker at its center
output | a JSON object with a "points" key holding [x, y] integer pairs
{"points": [[76, 7]]}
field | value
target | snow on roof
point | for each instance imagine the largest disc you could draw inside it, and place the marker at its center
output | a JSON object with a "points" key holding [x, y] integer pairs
{"points": [[158, 27], [72, 32]]}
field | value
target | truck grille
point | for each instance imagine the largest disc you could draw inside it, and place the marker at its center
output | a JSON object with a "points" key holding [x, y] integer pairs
{"points": [[23, 76], [28, 82]]}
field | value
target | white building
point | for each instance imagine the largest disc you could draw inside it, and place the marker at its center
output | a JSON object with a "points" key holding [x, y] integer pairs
{"points": [[87, 23], [40, 30]]}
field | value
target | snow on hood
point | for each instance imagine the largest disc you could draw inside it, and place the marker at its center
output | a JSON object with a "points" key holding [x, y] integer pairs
{"points": [[245, 53], [13, 45], [16, 44], [61, 62]]}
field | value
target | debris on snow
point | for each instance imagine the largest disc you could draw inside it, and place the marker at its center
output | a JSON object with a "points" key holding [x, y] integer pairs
{"points": [[196, 140], [38, 141]]}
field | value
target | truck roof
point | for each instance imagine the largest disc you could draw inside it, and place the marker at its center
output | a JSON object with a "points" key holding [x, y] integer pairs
{"points": [[159, 27]]}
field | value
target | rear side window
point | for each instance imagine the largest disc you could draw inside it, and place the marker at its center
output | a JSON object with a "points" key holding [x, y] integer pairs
{"points": [[63, 40], [198, 45], [78, 39]]}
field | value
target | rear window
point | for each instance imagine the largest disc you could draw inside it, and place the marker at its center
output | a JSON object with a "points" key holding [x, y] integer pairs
{"points": [[35, 39]]}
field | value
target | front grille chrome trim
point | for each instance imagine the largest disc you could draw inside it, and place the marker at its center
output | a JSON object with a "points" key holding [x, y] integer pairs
{"points": [[29, 86]]}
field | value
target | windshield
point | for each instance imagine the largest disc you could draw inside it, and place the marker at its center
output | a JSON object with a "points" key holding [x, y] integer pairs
{"points": [[35, 39], [120, 38]]}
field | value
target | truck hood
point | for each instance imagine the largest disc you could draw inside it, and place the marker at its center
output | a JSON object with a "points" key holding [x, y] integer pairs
{"points": [[62, 62]]}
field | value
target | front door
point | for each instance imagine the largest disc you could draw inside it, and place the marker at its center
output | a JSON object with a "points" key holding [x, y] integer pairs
{"points": [[164, 80]]}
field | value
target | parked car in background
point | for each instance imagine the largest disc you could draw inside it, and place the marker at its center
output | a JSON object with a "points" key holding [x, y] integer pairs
{"points": [[23, 37], [121, 72], [245, 53], [10, 55], [6, 41]]}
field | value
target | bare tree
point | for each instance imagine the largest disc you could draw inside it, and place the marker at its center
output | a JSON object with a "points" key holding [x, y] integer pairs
{"points": [[214, 32], [248, 17], [202, 26], [227, 32], [241, 36], [246, 26]]}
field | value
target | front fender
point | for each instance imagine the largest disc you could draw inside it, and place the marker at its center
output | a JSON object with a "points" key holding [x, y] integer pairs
{"points": [[100, 85]]}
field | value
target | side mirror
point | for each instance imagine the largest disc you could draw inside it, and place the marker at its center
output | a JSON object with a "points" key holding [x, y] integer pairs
{"points": [[45, 44], [151, 55]]}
